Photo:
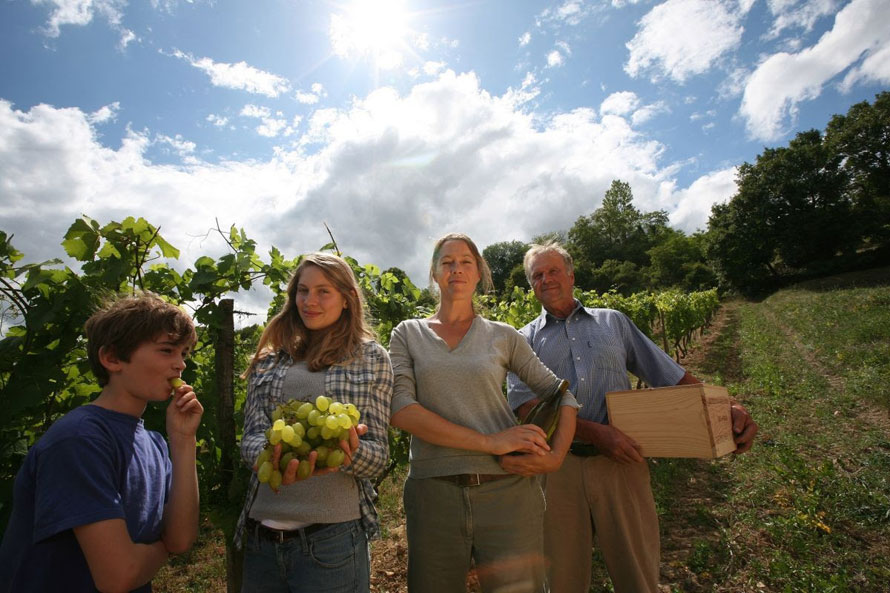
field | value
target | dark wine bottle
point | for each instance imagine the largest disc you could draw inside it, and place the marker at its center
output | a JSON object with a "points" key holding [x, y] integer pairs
{"points": [[546, 412]]}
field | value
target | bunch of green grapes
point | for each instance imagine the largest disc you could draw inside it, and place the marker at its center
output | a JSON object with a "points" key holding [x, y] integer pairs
{"points": [[302, 427]]}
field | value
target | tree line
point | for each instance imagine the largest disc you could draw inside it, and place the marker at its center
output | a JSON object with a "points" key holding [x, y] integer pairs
{"points": [[815, 207]]}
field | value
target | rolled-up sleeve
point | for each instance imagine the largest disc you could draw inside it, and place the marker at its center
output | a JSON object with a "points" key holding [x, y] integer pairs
{"points": [[372, 457]]}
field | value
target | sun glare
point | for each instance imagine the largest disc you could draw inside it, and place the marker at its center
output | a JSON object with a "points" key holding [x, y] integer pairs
{"points": [[374, 28]]}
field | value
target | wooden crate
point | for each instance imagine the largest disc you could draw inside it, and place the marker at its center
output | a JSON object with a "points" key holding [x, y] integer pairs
{"points": [[680, 421]]}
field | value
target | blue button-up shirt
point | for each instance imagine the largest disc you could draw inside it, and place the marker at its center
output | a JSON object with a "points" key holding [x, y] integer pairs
{"points": [[594, 349]]}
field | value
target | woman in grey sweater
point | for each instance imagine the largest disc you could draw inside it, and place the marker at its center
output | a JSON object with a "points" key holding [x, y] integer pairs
{"points": [[461, 506]]}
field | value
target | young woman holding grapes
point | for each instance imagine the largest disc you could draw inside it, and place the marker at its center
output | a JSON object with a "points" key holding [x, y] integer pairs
{"points": [[311, 535], [461, 507]]}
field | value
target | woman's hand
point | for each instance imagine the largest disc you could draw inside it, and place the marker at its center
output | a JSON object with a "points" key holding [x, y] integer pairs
{"points": [[351, 444], [525, 438]]}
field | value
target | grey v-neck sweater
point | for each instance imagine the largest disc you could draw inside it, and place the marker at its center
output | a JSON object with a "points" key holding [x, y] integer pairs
{"points": [[463, 385]]}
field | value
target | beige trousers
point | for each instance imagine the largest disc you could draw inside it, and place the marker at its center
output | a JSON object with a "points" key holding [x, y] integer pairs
{"points": [[595, 496]]}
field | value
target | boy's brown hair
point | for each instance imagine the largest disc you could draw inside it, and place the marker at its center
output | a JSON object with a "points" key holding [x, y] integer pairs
{"points": [[122, 325]]}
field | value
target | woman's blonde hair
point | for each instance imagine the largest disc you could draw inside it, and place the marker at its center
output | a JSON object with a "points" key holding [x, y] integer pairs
{"points": [[340, 343], [485, 281]]}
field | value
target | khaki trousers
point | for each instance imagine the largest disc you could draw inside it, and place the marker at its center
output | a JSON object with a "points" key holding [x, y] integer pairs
{"points": [[497, 525], [595, 496]]}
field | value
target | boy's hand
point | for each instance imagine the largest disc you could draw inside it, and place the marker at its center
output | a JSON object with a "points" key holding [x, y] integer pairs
{"points": [[184, 413]]}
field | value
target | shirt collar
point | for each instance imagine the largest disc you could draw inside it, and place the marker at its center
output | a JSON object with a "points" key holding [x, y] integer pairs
{"points": [[547, 317]]}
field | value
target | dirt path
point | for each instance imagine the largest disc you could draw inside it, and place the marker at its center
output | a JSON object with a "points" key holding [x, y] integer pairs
{"points": [[691, 534]]}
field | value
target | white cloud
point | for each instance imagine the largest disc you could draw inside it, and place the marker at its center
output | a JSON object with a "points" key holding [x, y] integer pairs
{"points": [[693, 205], [105, 113], [683, 38], [625, 103], [801, 15], [126, 38], [271, 125], [647, 112], [620, 103], [570, 12], [389, 174], [859, 39], [734, 83], [433, 68], [80, 12], [239, 76], [180, 145], [874, 68], [525, 39], [219, 121], [313, 96], [708, 114], [555, 59]]}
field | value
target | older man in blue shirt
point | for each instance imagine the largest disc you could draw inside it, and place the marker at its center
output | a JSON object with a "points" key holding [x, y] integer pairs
{"points": [[602, 487]]}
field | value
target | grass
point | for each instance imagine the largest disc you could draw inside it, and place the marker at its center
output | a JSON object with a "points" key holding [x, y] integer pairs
{"points": [[806, 510]]}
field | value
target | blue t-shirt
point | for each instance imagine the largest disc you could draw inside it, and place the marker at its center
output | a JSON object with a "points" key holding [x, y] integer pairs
{"points": [[92, 465]]}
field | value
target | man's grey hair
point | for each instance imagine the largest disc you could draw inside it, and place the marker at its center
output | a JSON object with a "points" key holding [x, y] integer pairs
{"points": [[539, 249]]}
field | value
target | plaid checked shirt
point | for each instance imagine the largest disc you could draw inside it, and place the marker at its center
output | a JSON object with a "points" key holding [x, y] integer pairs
{"points": [[365, 381]]}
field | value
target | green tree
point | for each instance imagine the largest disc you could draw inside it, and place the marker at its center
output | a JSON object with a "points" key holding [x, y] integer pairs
{"points": [[861, 138], [790, 212], [679, 262], [502, 258], [614, 231]]}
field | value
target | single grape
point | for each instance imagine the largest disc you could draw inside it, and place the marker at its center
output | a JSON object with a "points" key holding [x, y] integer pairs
{"points": [[265, 455], [322, 453], [275, 437], [176, 382], [304, 410], [304, 470], [335, 408], [344, 421], [287, 433], [275, 479], [314, 417], [335, 458], [264, 473], [299, 429], [322, 403], [285, 459], [331, 422], [278, 424]]}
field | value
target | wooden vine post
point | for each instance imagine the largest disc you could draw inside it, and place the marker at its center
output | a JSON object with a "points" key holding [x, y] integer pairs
{"points": [[225, 420]]}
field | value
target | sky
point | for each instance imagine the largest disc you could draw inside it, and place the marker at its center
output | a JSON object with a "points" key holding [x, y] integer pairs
{"points": [[393, 122]]}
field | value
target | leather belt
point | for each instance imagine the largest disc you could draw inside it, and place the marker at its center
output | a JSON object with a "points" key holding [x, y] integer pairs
{"points": [[280, 536], [583, 449], [472, 479]]}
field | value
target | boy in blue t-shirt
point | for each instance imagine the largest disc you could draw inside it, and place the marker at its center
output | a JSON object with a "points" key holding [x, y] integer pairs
{"points": [[100, 502]]}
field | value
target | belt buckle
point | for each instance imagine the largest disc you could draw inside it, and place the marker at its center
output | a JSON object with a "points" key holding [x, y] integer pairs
{"points": [[473, 480]]}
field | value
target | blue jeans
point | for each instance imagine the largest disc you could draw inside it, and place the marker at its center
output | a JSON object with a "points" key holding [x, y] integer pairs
{"points": [[335, 559]]}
